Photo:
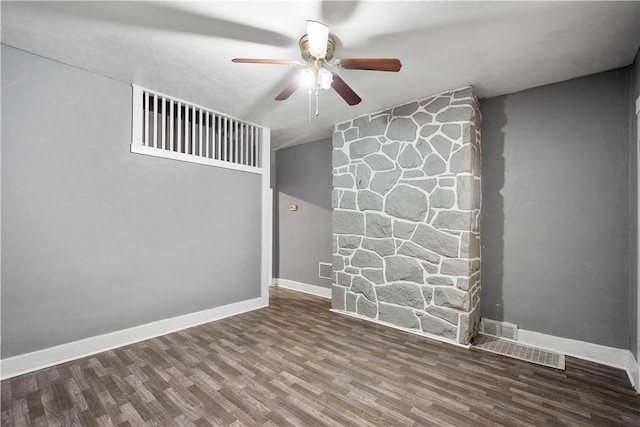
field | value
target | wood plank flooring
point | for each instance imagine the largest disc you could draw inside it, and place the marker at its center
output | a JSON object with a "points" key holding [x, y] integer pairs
{"points": [[297, 364]]}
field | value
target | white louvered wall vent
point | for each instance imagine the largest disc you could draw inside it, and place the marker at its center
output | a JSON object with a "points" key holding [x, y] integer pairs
{"points": [[168, 127]]}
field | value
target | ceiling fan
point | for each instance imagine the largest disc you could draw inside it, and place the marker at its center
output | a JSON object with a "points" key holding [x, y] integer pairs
{"points": [[317, 49]]}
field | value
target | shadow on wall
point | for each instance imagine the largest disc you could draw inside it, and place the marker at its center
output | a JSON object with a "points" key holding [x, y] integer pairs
{"points": [[492, 213]]}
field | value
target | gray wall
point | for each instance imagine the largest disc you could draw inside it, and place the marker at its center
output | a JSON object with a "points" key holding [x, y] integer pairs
{"points": [[633, 204], [96, 239], [303, 177], [555, 210]]}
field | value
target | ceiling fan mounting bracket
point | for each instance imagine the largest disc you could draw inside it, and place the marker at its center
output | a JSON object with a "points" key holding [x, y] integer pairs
{"points": [[306, 55]]}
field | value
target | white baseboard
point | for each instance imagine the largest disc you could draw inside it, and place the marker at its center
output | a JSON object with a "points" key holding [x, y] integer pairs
{"points": [[303, 287], [633, 370], [24, 363], [610, 356]]}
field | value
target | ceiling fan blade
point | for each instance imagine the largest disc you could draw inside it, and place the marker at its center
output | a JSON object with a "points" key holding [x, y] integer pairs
{"points": [[265, 61], [287, 91], [373, 64], [344, 90]]}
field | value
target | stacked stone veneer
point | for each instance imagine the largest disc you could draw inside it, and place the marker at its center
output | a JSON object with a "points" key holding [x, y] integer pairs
{"points": [[406, 205]]}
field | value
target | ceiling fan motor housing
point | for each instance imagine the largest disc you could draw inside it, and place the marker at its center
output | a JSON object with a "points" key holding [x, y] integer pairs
{"points": [[304, 48]]}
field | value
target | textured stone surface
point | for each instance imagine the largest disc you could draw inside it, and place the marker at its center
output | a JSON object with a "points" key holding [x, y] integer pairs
{"points": [[407, 203], [337, 297], [347, 222], [403, 230], [433, 325], [409, 157], [436, 241], [398, 316], [379, 162], [405, 294], [366, 308], [378, 225], [363, 175], [451, 297], [402, 130], [368, 200], [382, 182], [411, 181], [364, 259], [362, 147], [434, 165], [383, 247], [398, 268], [364, 287], [412, 250]]}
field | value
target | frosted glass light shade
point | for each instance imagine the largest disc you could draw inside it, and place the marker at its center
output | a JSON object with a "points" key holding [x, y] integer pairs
{"points": [[318, 35]]}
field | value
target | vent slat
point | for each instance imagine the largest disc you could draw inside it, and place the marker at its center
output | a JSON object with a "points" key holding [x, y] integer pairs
{"points": [[183, 130]]}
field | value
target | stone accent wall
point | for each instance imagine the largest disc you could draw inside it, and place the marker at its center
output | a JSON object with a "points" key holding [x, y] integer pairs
{"points": [[406, 206]]}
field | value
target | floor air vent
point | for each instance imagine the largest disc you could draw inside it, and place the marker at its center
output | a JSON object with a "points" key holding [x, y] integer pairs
{"points": [[519, 351], [325, 270]]}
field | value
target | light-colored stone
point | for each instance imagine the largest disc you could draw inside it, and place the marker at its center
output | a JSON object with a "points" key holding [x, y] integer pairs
{"points": [[352, 270], [454, 220], [441, 198], [425, 184], [350, 134], [339, 158], [459, 267], [401, 129], [451, 297], [391, 149], [366, 308], [338, 297], [464, 93], [350, 303], [398, 268], [412, 250], [434, 105], [348, 200], [407, 203], [423, 147], [409, 157], [366, 259], [436, 241], [347, 222], [337, 140], [349, 242], [427, 293], [441, 145], [338, 263], [428, 130], [469, 245], [439, 281], [363, 175], [468, 189], [434, 165], [448, 314], [374, 275], [459, 113], [368, 200], [452, 130], [436, 326], [383, 247], [405, 110], [413, 173], [360, 148], [403, 230], [378, 225], [405, 294], [398, 316], [360, 285], [373, 127], [382, 182], [461, 160], [343, 279], [379, 162], [343, 181]]}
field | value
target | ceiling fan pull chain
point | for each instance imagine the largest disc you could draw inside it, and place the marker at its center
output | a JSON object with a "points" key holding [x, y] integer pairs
{"points": [[317, 96]]}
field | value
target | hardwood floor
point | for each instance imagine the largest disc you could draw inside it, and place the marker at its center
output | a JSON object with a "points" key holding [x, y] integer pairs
{"points": [[296, 363]]}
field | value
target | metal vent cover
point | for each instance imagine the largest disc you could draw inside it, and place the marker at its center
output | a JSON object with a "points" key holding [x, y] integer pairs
{"points": [[519, 351], [325, 270]]}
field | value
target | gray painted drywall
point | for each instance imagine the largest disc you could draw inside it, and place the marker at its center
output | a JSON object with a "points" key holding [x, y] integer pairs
{"points": [[633, 205], [303, 178], [96, 239], [555, 210]]}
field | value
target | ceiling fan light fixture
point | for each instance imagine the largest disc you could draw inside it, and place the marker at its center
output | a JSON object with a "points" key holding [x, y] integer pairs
{"points": [[318, 35], [325, 77], [308, 77]]}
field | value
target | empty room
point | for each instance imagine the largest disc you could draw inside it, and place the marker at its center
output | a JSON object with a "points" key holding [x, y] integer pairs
{"points": [[319, 213]]}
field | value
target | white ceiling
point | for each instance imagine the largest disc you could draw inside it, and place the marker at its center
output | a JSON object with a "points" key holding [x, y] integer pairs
{"points": [[184, 49]]}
